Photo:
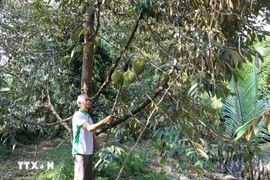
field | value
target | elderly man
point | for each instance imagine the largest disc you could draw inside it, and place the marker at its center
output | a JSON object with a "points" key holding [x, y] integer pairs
{"points": [[84, 139]]}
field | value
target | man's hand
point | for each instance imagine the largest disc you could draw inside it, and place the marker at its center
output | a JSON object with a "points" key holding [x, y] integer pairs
{"points": [[93, 127], [109, 118]]}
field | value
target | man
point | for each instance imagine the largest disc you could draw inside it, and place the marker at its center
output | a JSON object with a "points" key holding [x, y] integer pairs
{"points": [[84, 139]]}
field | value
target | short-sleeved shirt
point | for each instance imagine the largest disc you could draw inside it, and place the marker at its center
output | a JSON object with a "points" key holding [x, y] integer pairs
{"points": [[82, 139]]}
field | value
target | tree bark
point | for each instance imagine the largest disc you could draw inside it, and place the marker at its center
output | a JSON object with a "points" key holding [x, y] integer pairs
{"points": [[88, 51]]}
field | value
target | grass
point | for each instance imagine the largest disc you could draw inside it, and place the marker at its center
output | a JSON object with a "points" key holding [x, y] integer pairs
{"points": [[59, 151], [63, 165], [63, 171], [41, 153]]}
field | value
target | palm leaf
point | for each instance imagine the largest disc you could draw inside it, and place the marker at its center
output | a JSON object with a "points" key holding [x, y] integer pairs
{"points": [[239, 108], [243, 111]]}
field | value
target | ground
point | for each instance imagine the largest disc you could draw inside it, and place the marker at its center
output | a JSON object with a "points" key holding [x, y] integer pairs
{"points": [[38, 153], [47, 150], [58, 151]]}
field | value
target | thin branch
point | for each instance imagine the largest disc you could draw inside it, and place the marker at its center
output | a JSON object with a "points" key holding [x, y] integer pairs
{"points": [[40, 124], [107, 41], [132, 149], [114, 65], [143, 104], [145, 127], [55, 113], [98, 19], [113, 108]]}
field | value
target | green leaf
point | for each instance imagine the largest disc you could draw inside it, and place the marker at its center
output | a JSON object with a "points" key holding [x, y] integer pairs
{"points": [[211, 166], [235, 57], [163, 161], [200, 149], [268, 80], [240, 131]]}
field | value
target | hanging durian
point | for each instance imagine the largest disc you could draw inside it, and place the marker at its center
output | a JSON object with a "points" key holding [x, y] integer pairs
{"points": [[129, 77], [117, 77], [64, 59], [138, 66]]}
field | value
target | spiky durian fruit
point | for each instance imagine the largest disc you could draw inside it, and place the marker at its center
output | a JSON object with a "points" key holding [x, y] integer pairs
{"points": [[129, 77], [118, 77], [64, 59], [138, 66]]}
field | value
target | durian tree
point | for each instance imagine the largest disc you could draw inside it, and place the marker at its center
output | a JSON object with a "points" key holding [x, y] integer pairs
{"points": [[178, 52]]}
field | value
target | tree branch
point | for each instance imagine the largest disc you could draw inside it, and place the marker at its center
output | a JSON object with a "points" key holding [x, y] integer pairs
{"points": [[114, 65], [144, 129], [55, 113], [97, 5], [142, 105], [40, 124]]}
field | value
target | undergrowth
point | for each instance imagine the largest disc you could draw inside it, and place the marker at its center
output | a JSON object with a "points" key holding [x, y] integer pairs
{"points": [[59, 152], [136, 167]]}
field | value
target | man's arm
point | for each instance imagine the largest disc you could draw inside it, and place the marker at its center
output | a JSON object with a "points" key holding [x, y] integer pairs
{"points": [[95, 126]]}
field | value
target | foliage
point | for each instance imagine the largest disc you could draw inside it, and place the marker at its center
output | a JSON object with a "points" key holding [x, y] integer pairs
{"points": [[238, 158], [243, 112], [205, 47], [4, 152], [63, 171], [44, 65], [264, 76], [191, 49], [184, 137], [35, 66], [136, 168]]}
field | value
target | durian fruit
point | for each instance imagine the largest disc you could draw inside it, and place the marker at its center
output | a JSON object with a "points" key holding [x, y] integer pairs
{"points": [[118, 77], [129, 77], [64, 59], [138, 66]]}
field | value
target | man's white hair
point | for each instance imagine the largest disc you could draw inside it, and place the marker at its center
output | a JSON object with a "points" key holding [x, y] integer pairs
{"points": [[81, 98]]}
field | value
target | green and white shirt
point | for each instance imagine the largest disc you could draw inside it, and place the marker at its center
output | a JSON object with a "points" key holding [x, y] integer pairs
{"points": [[82, 139]]}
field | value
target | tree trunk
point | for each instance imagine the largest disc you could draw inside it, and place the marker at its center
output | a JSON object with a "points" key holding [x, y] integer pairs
{"points": [[88, 51]]}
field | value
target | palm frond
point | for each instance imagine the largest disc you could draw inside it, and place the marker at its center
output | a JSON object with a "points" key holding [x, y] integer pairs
{"points": [[239, 108], [243, 111]]}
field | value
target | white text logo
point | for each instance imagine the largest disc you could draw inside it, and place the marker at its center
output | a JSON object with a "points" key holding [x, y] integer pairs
{"points": [[36, 165]]}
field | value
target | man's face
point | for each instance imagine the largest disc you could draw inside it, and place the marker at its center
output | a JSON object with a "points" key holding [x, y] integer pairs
{"points": [[86, 103]]}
